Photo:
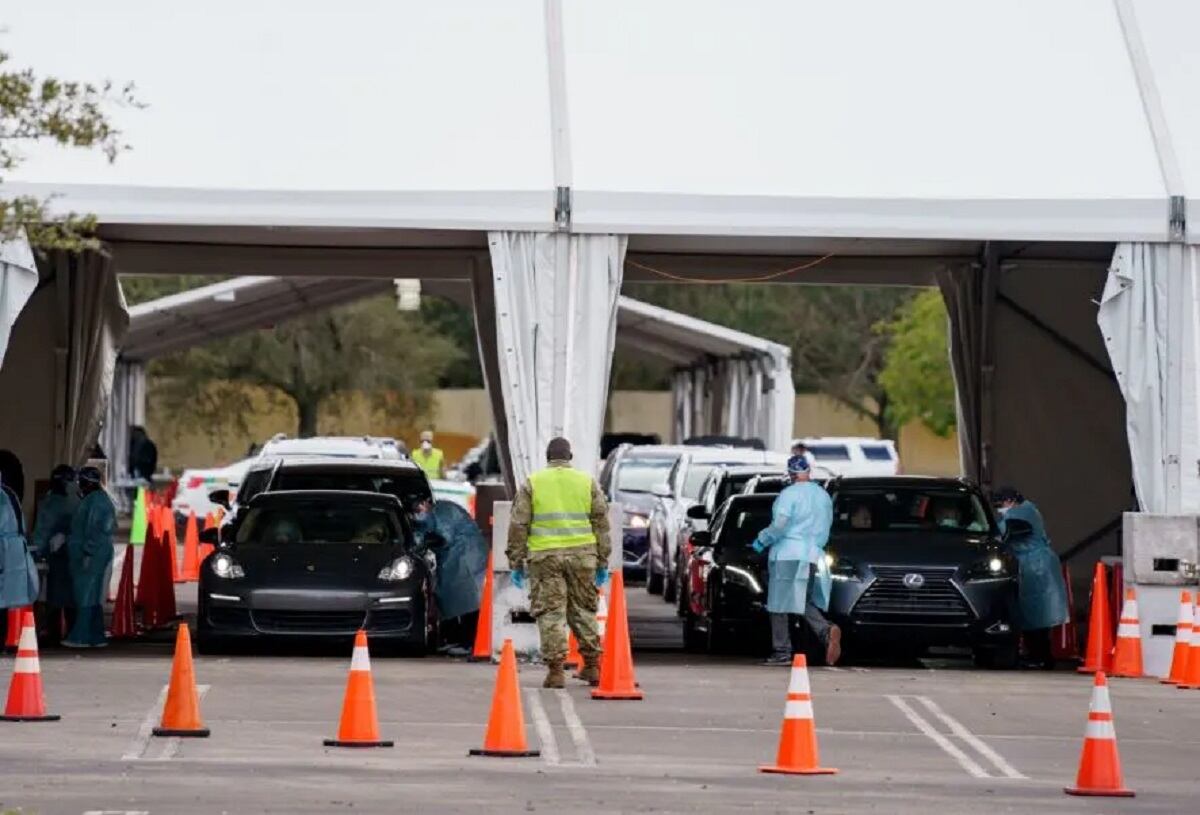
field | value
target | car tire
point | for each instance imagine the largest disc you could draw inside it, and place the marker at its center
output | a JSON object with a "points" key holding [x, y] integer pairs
{"points": [[671, 586], [682, 592], [654, 580], [208, 645], [694, 640], [997, 658]]}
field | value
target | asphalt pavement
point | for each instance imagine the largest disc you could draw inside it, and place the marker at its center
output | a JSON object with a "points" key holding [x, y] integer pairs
{"points": [[940, 736]]}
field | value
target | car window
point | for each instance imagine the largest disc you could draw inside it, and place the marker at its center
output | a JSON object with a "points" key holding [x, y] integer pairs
{"points": [[410, 488], [742, 525], [642, 474], [730, 485], [829, 452], [932, 509], [256, 481], [318, 523], [876, 452]]}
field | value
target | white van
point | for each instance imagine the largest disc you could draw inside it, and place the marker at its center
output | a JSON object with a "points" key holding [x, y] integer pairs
{"points": [[853, 456]]}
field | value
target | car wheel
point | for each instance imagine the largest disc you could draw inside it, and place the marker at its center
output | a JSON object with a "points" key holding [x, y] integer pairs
{"points": [[654, 580], [208, 645], [671, 585], [682, 591], [997, 658], [694, 640]]}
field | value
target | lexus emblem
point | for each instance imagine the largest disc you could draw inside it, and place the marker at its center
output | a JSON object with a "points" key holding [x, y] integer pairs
{"points": [[313, 568], [913, 580]]}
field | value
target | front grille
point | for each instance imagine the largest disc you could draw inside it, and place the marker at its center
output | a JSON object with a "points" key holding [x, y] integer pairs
{"points": [[225, 617], [938, 599], [295, 622], [392, 619]]}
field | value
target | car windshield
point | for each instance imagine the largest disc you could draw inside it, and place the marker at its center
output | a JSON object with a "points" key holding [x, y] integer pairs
{"points": [[642, 474], [409, 488], [742, 525], [313, 522], [895, 509]]}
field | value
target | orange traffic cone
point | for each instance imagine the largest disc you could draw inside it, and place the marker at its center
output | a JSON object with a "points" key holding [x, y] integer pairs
{"points": [[12, 637], [574, 658], [602, 615], [616, 665], [124, 626], [146, 572], [1127, 657], [360, 723], [1191, 673], [1100, 764], [206, 549], [26, 702], [1098, 656], [190, 571], [181, 713], [171, 536], [1183, 641], [505, 735], [798, 736], [482, 652]]}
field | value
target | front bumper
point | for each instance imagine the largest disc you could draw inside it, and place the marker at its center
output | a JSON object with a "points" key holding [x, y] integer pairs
{"points": [[945, 610], [635, 551], [272, 613]]}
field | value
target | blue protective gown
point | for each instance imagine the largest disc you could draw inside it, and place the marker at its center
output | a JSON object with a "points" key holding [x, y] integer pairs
{"points": [[1042, 597], [91, 551], [18, 575], [461, 562], [800, 520], [54, 516]]}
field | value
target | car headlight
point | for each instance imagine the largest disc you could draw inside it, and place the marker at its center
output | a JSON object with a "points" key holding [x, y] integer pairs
{"points": [[399, 569], [225, 567], [993, 567], [634, 521], [744, 578], [841, 568]]}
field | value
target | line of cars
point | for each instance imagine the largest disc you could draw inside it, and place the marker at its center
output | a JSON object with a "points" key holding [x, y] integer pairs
{"points": [[916, 562], [318, 542]]}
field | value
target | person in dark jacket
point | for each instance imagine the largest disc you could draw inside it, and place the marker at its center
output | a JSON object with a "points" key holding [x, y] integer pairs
{"points": [[51, 529]]}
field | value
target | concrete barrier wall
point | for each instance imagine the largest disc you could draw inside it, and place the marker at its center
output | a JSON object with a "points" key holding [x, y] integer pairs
{"points": [[463, 416]]}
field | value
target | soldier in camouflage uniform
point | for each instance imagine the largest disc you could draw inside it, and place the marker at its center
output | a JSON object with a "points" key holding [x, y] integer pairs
{"points": [[559, 535]]}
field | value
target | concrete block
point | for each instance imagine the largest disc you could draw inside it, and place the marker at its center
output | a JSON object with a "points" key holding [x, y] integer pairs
{"points": [[1161, 549]]}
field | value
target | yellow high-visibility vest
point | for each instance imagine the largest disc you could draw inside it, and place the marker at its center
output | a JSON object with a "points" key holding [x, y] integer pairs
{"points": [[430, 462], [562, 505]]}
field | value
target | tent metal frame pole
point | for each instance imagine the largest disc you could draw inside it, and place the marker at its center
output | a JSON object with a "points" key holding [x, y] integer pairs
{"points": [[989, 271]]}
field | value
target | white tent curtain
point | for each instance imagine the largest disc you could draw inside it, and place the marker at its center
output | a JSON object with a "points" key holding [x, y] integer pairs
{"points": [[749, 397], [1149, 317], [556, 317], [126, 407], [97, 323], [18, 279]]}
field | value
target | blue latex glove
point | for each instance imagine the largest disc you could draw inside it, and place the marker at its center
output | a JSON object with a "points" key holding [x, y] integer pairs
{"points": [[758, 546], [518, 578], [601, 576]]}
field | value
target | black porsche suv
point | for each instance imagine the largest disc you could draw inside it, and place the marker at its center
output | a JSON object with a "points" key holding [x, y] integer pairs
{"points": [[916, 563]]}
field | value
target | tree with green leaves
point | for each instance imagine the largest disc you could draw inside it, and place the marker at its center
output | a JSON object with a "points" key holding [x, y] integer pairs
{"points": [[916, 372], [311, 361], [71, 114]]}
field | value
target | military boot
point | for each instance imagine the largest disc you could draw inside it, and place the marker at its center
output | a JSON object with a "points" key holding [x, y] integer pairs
{"points": [[555, 678], [591, 670]]}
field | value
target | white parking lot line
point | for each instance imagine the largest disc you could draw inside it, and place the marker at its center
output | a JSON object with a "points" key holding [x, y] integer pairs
{"points": [[545, 732], [583, 747], [141, 742], [950, 748], [981, 747]]}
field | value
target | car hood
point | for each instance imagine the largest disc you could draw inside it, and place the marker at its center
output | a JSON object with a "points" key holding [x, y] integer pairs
{"points": [[329, 564], [641, 502], [911, 548]]}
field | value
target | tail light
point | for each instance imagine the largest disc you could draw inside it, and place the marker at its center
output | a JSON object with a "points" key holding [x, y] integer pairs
{"points": [[195, 482]]}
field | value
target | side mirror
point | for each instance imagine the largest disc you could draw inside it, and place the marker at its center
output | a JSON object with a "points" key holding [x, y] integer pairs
{"points": [[662, 490], [211, 536], [1017, 528], [697, 512], [702, 539], [220, 498], [433, 540]]}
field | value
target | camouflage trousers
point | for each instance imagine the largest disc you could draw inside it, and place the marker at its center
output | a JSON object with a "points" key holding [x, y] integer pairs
{"points": [[563, 593]]}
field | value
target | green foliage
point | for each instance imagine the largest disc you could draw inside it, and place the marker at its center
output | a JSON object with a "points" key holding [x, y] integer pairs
{"points": [[71, 114], [367, 347], [916, 372], [457, 324], [830, 329]]}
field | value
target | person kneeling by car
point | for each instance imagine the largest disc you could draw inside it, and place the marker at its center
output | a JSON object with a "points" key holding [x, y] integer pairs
{"points": [[800, 521]]}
